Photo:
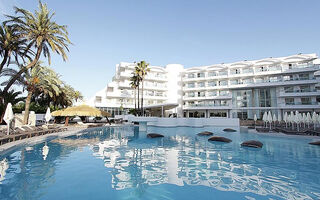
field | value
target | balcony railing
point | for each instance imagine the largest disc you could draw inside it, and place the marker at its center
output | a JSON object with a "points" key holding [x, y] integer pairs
{"points": [[300, 91], [207, 105]]}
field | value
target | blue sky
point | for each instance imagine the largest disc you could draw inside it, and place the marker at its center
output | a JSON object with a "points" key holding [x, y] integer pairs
{"points": [[188, 32]]}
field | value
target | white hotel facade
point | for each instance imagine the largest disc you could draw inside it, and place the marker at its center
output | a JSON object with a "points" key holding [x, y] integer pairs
{"points": [[239, 89]]}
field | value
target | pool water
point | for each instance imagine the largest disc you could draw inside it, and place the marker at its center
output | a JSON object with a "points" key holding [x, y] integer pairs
{"points": [[121, 163]]}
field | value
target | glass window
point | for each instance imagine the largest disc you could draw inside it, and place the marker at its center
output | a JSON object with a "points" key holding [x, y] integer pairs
{"points": [[288, 78], [223, 83], [224, 92], [98, 99], [190, 85], [288, 89], [247, 81], [190, 75], [201, 84], [212, 83], [223, 73], [303, 76], [259, 80], [274, 79], [305, 100], [212, 93], [305, 88], [212, 74], [201, 94], [191, 94], [247, 70], [234, 82], [289, 101], [200, 75]]}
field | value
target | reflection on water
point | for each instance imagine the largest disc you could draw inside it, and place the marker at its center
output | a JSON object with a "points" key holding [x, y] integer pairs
{"points": [[3, 168], [284, 168]]}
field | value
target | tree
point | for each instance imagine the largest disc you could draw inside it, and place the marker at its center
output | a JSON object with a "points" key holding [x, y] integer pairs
{"points": [[11, 44], [134, 85], [142, 70], [40, 79], [42, 33], [9, 97]]}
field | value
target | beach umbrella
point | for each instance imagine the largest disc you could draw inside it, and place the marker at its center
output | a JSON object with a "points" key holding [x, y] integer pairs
{"points": [[285, 118], [304, 119], [82, 110], [300, 119], [270, 118], [255, 119], [3, 168], [279, 117], [274, 119], [265, 118], [8, 116], [48, 116], [297, 119], [314, 119], [45, 151]]}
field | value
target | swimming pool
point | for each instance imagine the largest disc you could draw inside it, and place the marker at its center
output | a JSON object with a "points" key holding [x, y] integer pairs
{"points": [[121, 163]]}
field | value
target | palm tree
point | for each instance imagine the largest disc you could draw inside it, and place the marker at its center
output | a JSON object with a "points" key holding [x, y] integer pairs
{"points": [[40, 79], [11, 43], [136, 78], [134, 85], [9, 97], [142, 70], [43, 34]]}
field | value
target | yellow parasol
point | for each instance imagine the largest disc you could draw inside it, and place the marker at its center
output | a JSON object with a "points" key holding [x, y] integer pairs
{"points": [[82, 110]]}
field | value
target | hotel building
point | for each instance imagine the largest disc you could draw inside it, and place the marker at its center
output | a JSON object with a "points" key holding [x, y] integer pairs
{"points": [[239, 89]]}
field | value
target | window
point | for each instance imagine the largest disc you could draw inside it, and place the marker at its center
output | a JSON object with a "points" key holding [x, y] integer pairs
{"points": [[289, 101], [200, 75], [201, 84], [305, 88], [212, 74], [191, 94], [201, 94], [212, 93], [235, 71], [288, 89], [190, 75], [259, 80], [98, 99], [303, 76], [288, 78], [190, 85], [305, 100], [247, 81], [223, 93], [234, 82], [212, 83], [223, 73], [247, 70], [223, 83], [274, 79]]}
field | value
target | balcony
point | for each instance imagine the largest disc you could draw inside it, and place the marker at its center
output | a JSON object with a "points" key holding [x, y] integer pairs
{"points": [[301, 105], [207, 106]]}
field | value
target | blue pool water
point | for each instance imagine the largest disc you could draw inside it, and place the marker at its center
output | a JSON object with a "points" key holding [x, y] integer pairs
{"points": [[121, 163]]}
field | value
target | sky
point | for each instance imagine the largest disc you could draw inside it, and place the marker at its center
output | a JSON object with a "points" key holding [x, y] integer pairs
{"points": [[189, 32]]}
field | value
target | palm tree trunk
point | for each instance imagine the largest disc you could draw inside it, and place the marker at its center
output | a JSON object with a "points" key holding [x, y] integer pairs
{"points": [[135, 99], [23, 69], [142, 113], [4, 60], [138, 98], [27, 108]]}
